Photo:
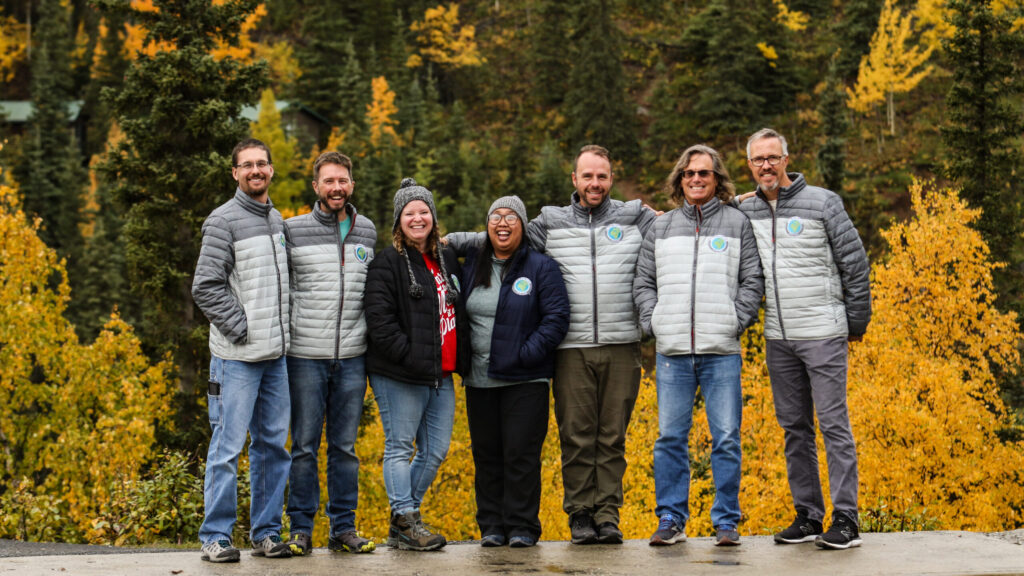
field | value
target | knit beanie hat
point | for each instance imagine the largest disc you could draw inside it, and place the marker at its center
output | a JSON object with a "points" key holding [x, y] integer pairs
{"points": [[511, 202], [409, 191]]}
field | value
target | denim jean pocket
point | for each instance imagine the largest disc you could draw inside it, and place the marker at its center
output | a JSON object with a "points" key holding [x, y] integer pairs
{"points": [[213, 407]]}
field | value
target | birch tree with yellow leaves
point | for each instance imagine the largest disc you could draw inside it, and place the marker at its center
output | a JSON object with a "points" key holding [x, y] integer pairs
{"points": [[894, 65]]}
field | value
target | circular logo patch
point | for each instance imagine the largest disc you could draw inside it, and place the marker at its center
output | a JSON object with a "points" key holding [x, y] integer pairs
{"points": [[455, 280], [522, 286], [614, 233], [281, 241], [718, 244], [361, 253], [794, 227]]}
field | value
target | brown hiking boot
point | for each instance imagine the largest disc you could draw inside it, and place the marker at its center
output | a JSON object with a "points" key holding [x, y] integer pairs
{"points": [[412, 534]]}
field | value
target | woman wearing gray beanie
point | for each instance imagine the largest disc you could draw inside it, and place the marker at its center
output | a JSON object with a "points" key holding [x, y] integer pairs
{"points": [[411, 291], [517, 313]]}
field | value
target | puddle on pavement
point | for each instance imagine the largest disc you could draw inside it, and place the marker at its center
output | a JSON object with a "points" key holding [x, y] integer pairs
{"points": [[718, 562]]}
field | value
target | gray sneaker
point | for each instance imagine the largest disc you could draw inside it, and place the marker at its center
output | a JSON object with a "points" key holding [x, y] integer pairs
{"points": [[350, 541], [220, 551], [272, 547], [668, 533], [727, 537], [300, 544]]}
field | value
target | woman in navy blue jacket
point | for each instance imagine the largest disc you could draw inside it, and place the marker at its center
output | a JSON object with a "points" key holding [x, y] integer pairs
{"points": [[518, 313]]}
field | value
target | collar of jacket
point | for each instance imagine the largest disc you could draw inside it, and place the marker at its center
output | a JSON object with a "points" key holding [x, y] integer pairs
{"points": [[796, 184], [585, 211], [330, 218], [257, 208], [706, 209]]}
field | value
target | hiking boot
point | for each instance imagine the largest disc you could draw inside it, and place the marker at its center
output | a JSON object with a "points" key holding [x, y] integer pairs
{"points": [[272, 547], [727, 537], [413, 534], [492, 540], [669, 532], [350, 541], [300, 544], [581, 525], [220, 551], [609, 533], [842, 534], [803, 529], [392, 541]]}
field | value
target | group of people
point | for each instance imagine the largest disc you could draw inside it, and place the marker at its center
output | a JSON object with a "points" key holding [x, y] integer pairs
{"points": [[303, 312]]}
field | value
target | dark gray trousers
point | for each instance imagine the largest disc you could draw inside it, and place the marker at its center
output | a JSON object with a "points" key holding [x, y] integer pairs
{"points": [[808, 377]]}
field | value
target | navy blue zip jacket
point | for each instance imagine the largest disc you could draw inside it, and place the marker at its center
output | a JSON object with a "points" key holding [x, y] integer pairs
{"points": [[531, 320]]}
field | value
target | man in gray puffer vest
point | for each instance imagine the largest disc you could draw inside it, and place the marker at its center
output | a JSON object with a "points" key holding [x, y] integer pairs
{"points": [[596, 241], [241, 285], [817, 298], [329, 250]]}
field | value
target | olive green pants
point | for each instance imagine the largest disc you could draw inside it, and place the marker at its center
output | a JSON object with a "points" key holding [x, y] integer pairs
{"points": [[595, 390]]}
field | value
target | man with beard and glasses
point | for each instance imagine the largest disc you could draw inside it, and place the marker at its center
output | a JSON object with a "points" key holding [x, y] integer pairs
{"points": [[817, 299], [241, 285], [329, 250]]}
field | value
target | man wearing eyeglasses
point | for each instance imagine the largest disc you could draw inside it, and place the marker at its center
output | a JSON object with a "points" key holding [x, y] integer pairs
{"points": [[329, 250], [241, 285], [817, 298]]}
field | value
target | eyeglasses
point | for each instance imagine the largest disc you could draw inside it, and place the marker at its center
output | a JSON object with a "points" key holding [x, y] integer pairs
{"points": [[772, 160], [702, 173], [509, 218], [261, 164]]}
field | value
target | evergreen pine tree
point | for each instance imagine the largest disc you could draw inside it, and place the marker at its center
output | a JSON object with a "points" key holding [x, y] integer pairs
{"points": [[835, 123], [852, 32], [180, 112], [549, 51], [597, 105], [984, 129], [325, 29], [51, 173]]}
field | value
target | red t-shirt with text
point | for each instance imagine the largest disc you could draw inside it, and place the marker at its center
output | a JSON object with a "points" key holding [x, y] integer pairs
{"points": [[447, 317]]}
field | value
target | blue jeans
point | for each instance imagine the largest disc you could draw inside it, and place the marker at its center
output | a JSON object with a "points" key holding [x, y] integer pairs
{"points": [[253, 398], [413, 413], [718, 378], [335, 389]]}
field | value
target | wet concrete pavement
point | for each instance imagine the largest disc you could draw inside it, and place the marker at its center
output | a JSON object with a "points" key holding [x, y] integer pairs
{"points": [[937, 553]]}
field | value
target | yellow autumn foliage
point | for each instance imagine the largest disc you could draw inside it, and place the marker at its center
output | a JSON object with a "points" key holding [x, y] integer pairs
{"points": [[443, 40], [78, 418], [381, 112], [895, 63], [12, 45]]}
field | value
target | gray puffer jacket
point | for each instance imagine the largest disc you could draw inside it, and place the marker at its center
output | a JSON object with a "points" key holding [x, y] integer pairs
{"points": [[698, 280], [327, 283], [596, 250], [816, 272], [241, 280]]}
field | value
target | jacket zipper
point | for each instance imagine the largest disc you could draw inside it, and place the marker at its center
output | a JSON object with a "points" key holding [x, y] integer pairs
{"points": [[593, 267], [341, 290], [698, 217], [775, 277], [280, 298]]}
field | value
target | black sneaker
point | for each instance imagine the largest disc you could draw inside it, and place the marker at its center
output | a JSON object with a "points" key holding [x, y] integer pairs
{"points": [[300, 543], [609, 533], [842, 534], [803, 529], [581, 524]]}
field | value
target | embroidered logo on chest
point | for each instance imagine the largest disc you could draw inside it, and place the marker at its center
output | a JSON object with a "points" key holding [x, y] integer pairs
{"points": [[794, 226], [718, 244], [614, 233], [361, 253], [522, 286]]}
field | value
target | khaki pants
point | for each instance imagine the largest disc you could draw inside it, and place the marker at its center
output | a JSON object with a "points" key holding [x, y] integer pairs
{"points": [[595, 390]]}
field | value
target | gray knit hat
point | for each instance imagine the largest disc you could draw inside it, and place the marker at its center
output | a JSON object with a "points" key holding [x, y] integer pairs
{"points": [[511, 202], [408, 191]]}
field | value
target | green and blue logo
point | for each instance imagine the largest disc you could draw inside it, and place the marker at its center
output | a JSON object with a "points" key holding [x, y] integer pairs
{"points": [[522, 286], [361, 253], [614, 233], [794, 227], [718, 244]]}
